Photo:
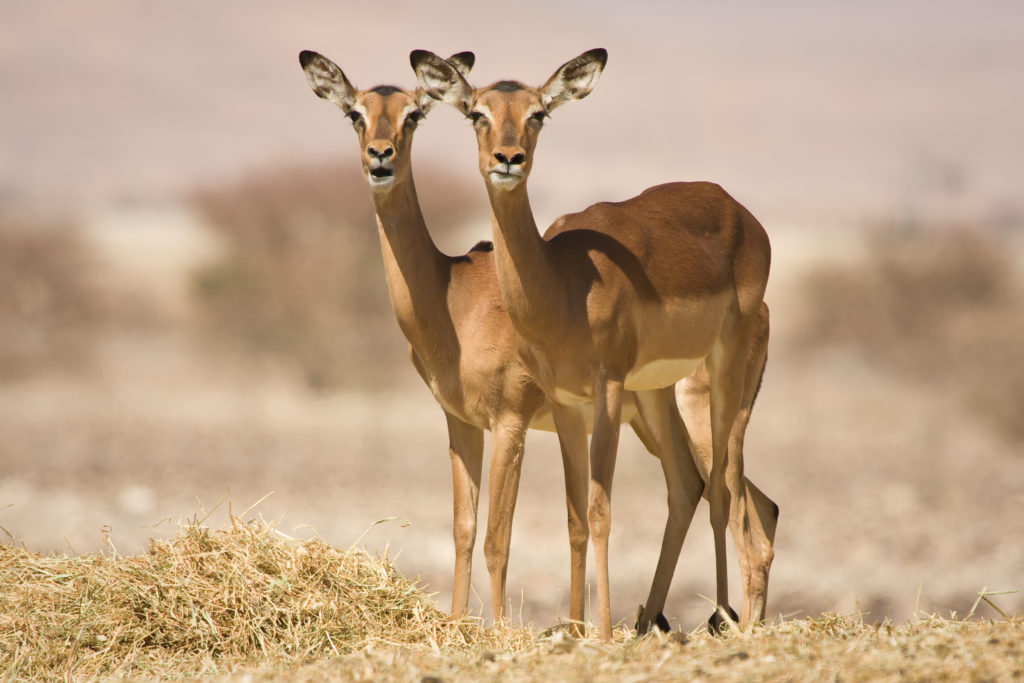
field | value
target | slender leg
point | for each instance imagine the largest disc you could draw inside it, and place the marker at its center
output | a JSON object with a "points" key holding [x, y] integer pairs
{"points": [[507, 437], [466, 448], [572, 436], [727, 369], [753, 545], [755, 533], [603, 447], [660, 415]]}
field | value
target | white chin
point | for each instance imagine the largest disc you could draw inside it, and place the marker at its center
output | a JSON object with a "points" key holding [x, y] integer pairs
{"points": [[504, 181], [381, 184]]}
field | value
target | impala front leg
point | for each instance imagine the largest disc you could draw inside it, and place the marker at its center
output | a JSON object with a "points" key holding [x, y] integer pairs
{"points": [[603, 447], [572, 437], [507, 437], [466, 448]]}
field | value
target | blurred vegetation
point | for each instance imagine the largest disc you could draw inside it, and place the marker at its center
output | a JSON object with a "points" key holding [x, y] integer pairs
{"points": [[300, 277], [49, 305], [940, 305]]}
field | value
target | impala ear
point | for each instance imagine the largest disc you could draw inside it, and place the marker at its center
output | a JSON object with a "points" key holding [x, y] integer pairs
{"points": [[575, 79], [463, 62], [327, 80], [441, 80]]}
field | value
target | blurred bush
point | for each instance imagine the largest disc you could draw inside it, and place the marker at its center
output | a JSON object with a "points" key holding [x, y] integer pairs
{"points": [[49, 305], [300, 277], [940, 305]]}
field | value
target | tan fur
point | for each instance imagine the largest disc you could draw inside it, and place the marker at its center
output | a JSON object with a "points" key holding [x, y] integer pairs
{"points": [[676, 274]]}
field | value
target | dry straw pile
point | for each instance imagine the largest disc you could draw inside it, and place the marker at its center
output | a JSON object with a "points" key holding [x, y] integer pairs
{"points": [[208, 602]]}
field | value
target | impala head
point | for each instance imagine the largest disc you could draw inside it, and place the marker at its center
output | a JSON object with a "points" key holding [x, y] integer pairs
{"points": [[384, 117], [507, 116]]}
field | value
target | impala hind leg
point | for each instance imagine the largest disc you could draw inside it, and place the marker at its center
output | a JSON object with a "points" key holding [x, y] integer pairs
{"points": [[754, 533], [727, 493], [466, 448], [603, 450], [507, 437], [572, 437], [754, 549], [667, 436]]}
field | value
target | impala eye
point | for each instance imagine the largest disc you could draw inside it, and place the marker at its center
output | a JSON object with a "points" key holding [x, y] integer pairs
{"points": [[354, 116], [476, 117], [538, 116]]}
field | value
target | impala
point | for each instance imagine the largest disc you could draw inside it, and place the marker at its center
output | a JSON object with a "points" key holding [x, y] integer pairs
{"points": [[627, 296], [463, 345]]}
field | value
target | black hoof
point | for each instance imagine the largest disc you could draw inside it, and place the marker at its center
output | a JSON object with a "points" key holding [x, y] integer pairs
{"points": [[717, 625], [660, 621]]}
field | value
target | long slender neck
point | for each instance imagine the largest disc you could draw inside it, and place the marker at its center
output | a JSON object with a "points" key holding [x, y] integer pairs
{"points": [[530, 285], [416, 270]]}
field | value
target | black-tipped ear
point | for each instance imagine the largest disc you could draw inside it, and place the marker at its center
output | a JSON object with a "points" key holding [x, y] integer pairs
{"points": [[575, 79], [441, 80], [326, 79], [463, 62]]}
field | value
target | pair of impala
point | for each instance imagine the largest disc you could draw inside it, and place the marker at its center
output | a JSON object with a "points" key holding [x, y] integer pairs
{"points": [[581, 329]]}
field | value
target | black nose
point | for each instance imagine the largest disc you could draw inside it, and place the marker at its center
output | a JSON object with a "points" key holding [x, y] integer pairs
{"points": [[374, 152], [517, 158]]}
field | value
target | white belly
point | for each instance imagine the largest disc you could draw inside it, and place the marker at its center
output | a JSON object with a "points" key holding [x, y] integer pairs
{"points": [[661, 373]]}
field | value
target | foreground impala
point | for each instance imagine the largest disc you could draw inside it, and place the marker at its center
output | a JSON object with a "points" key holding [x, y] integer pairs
{"points": [[629, 296]]}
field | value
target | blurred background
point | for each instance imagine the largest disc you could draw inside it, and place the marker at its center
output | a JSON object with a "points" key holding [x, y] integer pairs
{"points": [[192, 304]]}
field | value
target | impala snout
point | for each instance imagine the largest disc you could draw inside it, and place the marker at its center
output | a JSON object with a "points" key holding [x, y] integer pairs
{"points": [[516, 158], [379, 164], [380, 149], [507, 167]]}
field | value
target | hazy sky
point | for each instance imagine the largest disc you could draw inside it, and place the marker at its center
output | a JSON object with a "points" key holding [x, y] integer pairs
{"points": [[809, 112]]}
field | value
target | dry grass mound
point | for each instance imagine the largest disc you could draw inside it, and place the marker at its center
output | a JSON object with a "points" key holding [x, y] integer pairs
{"points": [[207, 602]]}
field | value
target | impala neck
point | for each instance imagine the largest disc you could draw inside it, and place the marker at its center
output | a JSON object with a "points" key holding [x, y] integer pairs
{"points": [[530, 285], [416, 270]]}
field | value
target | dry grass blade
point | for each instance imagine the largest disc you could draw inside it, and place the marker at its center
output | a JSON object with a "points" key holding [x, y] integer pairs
{"points": [[984, 595]]}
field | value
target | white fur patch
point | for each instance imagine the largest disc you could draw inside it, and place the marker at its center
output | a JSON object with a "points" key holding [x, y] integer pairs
{"points": [[483, 109], [504, 181]]}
